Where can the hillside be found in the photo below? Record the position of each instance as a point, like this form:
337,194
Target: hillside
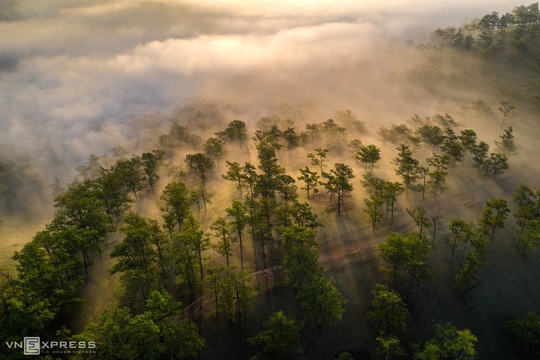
392,210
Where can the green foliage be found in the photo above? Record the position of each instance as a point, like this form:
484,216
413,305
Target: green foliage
235,131
388,313
160,305
431,134
407,166
154,334
529,238
407,254
112,192
182,340
135,250
461,232
301,252
81,219
234,173
524,196
495,164
178,136
279,339
302,214
286,188
394,251
24,309
382,192
140,253
238,212
314,132
494,215
120,335
215,148
373,210
507,145
368,155
200,164
188,248
452,147
151,162
311,179
176,201
334,134
345,356
526,330
233,290
449,343
420,219
292,139
480,155
49,267
271,136
319,158
222,230
249,176
527,218
466,278
489,35
390,193
321,302
132,173
268,182
390,346
338,181
437,176
81,208
467,139
397,134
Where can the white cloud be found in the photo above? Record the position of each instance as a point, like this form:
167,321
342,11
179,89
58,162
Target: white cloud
83,70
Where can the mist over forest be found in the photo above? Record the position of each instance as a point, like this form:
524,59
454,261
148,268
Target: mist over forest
81,79
299,118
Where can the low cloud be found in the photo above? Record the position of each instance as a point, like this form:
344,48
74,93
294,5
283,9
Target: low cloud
74,76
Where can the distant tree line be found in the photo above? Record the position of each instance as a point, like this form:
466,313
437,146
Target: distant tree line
491,33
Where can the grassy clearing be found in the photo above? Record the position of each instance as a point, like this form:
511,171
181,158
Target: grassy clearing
14,233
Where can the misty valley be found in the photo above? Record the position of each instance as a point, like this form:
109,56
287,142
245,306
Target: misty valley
385,206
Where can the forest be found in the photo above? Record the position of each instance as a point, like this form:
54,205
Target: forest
337,237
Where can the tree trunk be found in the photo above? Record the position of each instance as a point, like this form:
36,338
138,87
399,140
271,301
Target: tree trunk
241,250
216,299
199,250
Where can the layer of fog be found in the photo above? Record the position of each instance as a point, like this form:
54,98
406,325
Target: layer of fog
77,80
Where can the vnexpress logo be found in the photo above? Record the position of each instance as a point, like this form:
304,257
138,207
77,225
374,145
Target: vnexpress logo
32,346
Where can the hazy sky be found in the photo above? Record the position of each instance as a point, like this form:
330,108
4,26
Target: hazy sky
73,72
